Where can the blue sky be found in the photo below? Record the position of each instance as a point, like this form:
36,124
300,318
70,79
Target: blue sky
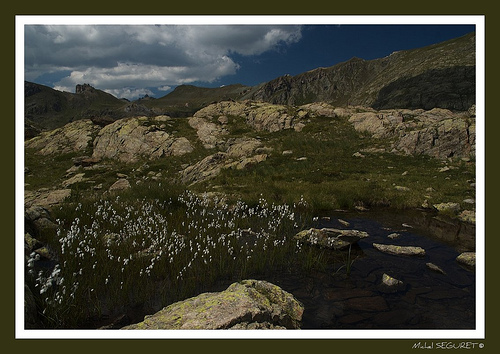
131,61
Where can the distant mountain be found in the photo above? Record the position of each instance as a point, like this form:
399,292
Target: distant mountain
441,75
184,100
46,108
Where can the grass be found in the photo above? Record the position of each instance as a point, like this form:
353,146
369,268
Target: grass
322,168
125,252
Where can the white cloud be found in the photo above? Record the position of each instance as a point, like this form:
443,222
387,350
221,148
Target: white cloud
112,57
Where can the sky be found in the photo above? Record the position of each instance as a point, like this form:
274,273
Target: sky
131,61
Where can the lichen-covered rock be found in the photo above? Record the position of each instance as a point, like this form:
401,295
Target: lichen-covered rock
239,154
130,139
258,115
447,207
438,132
330,238
249,304
208,132
73,137
400,250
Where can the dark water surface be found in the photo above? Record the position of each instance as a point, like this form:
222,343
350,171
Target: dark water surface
429,299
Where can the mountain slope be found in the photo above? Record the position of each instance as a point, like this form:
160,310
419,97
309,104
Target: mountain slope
184,100
445,69
440,75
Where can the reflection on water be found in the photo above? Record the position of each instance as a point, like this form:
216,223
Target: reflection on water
428,300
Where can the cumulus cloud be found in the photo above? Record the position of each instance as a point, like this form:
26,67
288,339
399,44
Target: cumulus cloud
126,60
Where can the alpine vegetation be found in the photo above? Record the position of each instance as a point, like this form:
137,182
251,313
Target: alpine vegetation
115,253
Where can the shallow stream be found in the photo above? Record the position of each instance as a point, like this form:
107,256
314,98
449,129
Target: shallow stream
428,300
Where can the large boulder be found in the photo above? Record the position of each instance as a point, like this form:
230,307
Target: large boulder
249,304
73,137
130,139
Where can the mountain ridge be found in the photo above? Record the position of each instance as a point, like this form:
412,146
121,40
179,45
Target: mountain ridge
441,75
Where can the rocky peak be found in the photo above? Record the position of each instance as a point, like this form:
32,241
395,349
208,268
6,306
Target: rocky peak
83,88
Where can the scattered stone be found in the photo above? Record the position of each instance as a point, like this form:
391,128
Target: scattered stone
401,188
44,253
302,158
249,304
120,185
287,152
407,225
467,258
469,201
360,208
400,250
394,235
444,169
447,207
468,216
75,179
435,268
390,285
343,222
358,154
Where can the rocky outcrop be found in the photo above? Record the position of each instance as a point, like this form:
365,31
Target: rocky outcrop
130,139
73,137
439,132
249,304
46,197
258,115
239,153
208,132
330,238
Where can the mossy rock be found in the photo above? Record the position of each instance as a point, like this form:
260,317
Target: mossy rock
244,304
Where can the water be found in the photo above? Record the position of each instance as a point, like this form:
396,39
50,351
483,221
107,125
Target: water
429,299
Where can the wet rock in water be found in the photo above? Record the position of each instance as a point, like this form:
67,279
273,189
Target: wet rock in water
249,304
467,258
330,238
435,268
390,285
400,250
394,235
